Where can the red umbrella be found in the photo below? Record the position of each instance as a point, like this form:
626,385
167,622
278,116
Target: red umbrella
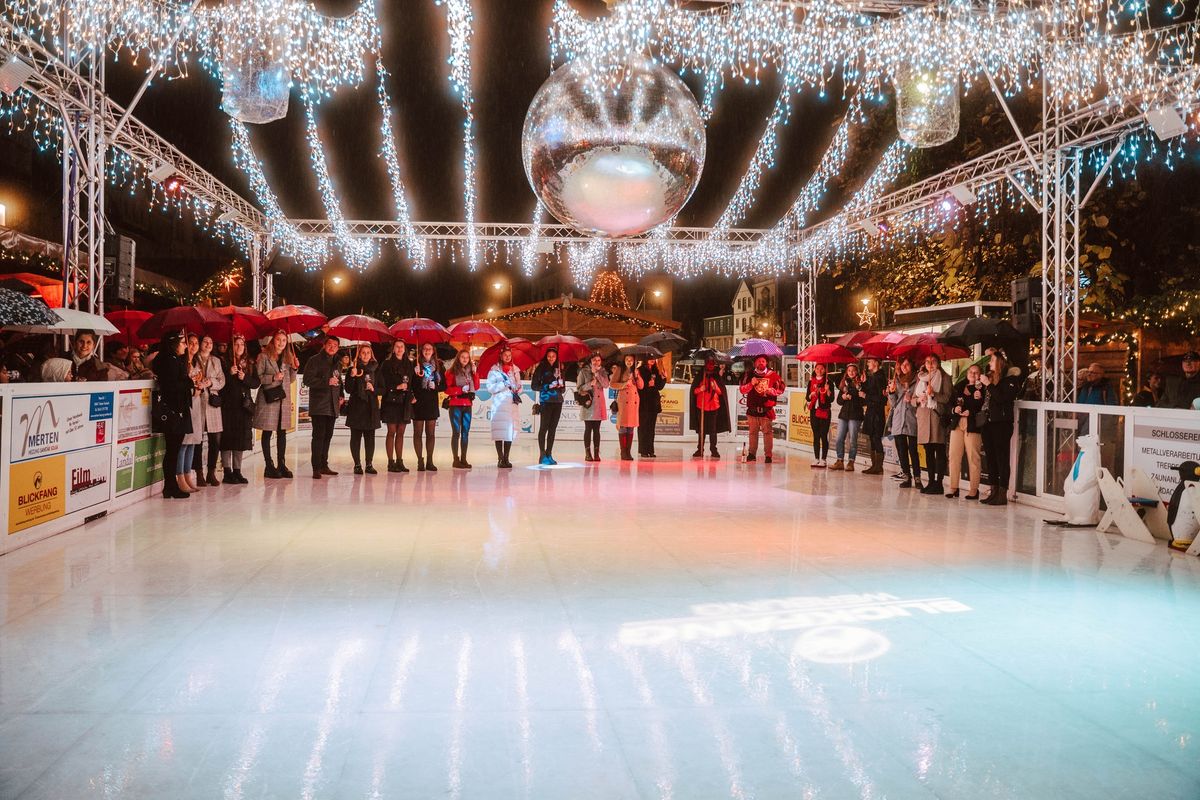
827,353
919,346
525,354
295,318
360,327
880,345
245,321
855,339
419,331
194,319
475,332
570,348
128,323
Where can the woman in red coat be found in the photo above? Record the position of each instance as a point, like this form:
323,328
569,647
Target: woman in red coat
820,404
461,383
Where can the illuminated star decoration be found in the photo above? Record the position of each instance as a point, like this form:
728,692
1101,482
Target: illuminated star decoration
866,318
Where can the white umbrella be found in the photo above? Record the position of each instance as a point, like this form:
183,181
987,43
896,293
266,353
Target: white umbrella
70,320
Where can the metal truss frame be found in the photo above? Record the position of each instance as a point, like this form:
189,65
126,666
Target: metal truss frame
515,233
806,308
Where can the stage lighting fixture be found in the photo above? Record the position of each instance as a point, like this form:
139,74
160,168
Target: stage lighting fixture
1166,122
963,194
162,172
871,228
14,74
227,216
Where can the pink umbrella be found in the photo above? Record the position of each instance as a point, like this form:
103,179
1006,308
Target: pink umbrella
419,331
360,327
920,346
128,323
827,353
855,338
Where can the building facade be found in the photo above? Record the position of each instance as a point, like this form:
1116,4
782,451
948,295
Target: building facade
718,332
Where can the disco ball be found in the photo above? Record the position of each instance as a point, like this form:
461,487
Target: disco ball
255,87
613,151
926,107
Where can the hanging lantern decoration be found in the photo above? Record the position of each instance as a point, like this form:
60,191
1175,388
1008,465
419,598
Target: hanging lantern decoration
613,150
256,81
926,106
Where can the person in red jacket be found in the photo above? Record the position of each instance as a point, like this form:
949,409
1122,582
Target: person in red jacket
761,387
461,383
820,403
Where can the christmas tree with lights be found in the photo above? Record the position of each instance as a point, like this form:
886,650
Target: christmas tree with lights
608,289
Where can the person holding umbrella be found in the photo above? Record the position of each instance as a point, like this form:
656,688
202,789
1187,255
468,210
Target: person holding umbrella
762,387
504,383
819,399
709,408
362,407
549,385
323,377
649,405
430,382
1002,384
874,423
395,380
208,404
852,399
930,397
276,369
174,416
903,423
590,393
626,380
461,383
237,410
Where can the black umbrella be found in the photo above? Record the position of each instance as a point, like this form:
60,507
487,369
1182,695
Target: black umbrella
705,353
982,330
640,351
665,341
21,309
605,348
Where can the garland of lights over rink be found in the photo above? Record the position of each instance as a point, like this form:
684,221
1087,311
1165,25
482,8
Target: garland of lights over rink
1088,58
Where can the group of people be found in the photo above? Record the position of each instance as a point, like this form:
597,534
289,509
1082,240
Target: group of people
921,408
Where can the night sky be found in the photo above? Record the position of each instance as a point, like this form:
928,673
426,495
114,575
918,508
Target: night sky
511,60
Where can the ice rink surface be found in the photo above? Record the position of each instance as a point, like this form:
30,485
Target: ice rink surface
667,629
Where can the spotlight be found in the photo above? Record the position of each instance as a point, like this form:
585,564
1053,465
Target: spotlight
227,216
162,172
172,184
1166,122
871,228
963,194
946,204
14,74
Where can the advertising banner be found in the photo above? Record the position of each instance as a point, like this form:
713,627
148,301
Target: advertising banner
672,419
36,492
137,464
1160,444
133,414
50,424
799,429
87,474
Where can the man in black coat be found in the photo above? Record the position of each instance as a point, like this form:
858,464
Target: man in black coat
1184,392
324,382
649,405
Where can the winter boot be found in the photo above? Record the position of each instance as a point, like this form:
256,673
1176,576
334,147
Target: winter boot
499,454
507,450
876,467
211,478
838,466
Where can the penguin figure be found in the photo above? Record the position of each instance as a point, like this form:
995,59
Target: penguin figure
1081,489
1183,513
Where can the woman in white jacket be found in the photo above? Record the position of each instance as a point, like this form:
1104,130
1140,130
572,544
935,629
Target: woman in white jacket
504,383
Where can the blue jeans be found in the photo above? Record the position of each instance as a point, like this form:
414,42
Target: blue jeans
848,427
184,462
460,429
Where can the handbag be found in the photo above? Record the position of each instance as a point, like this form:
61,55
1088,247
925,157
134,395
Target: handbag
446,402
247,403
164,419
273,394
214,399
613,406
583,399
537,409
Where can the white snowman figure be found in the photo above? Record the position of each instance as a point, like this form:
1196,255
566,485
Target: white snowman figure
1081,489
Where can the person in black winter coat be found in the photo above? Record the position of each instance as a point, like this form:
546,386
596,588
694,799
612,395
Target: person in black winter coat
852,399
649,405
394,380
874,417
1003,385
430,382
966,431
362,408
237,410
549,383
323,378
175,396
1184,392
